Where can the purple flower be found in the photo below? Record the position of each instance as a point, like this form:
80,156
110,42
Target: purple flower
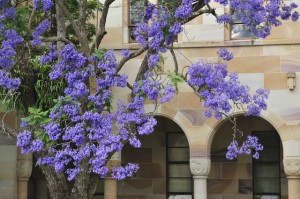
53,131
251,143
232,150
125,52
167,94
153,60
295,16
23,141
121,173
224,54
184,10
24,123
37,145
50,55
46,4
41,28
148,127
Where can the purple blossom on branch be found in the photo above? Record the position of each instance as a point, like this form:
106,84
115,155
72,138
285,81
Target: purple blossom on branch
249,145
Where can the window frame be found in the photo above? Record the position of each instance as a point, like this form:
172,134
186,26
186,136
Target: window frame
237,22
256,162
174,162
131,26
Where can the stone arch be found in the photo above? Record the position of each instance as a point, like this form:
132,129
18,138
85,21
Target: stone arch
243,175
153,177
172,114
268,116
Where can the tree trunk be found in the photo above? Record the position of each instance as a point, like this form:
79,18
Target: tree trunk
57,184
83,187
61,28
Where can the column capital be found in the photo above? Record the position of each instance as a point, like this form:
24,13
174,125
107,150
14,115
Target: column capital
200,166
292,166
24,168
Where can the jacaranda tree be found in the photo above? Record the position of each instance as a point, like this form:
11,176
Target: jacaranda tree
55,73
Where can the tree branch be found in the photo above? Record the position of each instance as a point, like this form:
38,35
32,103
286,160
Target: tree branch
102,32
30,20
174,58
74,25
61,28
199,12
7,130
55,39
131,56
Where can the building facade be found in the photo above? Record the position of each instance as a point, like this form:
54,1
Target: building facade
185,157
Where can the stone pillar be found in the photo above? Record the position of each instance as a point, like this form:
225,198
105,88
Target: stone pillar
24,168
292,171
200,168
110,184
110,188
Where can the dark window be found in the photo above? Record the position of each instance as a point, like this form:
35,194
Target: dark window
238,29
179,177
266,169
136,10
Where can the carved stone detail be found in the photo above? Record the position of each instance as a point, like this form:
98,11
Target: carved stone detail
24,168
200,166
292,166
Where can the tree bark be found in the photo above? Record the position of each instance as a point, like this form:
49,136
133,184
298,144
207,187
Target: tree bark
83,187
61,28
57,183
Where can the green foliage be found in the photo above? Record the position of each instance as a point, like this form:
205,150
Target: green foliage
23,16
37,90
46,89
99,53
175,79
73,7
37,117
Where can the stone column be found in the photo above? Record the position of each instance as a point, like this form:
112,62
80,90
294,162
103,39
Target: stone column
110,188
200,168
24,168
292,171
110,184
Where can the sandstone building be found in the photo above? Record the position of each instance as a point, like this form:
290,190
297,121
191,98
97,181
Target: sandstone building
185,157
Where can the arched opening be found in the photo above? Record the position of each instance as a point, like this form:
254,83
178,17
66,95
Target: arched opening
164,165
245,177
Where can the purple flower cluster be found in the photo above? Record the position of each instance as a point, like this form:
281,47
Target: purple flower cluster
73,67
125,52
222,92
40,29
258,15
248,147
45,4
162,29
50,55
185,10
85,129
121,173
88,135
26,144
10,39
